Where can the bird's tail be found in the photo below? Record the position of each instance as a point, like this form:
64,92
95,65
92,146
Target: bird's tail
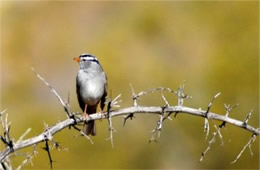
90,128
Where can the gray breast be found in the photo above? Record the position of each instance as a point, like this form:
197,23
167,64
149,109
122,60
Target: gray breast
91,86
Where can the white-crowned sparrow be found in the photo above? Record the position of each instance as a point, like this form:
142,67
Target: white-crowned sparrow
91,88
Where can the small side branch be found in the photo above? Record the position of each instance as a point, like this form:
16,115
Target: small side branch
47,149
211,142
129,116
153,90
29,158
218,129
134,98
247,118
23,135
112,103
157,130
248,145
83,134
228,110
137,97
65,105
210,104
166,106
206,122
6,126
181,95
206,127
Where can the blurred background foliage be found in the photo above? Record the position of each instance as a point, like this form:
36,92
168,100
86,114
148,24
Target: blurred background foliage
213,46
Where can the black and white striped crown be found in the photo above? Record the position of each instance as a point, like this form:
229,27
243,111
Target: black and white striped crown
88,57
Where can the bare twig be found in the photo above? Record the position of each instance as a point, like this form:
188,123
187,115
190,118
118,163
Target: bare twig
125,111
134,97
111,130
210,104
252,139
206,128
158,128
228,111
212,141
6,164
73,119
47,149
23,135
28,158
110,122
181,95
112,103
2,112
165,100
218,130
166,105
65,106
168,116
7,127
115,102
83,134
153,90
248,117
129,116
206,122
5,138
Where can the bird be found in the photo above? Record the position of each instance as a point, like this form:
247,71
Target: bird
91,88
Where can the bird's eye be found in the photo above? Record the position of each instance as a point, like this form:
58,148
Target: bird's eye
84,60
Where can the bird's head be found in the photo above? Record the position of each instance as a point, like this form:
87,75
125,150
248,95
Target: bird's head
86,60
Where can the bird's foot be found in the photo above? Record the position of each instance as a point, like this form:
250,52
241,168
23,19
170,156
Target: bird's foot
101,110
86,116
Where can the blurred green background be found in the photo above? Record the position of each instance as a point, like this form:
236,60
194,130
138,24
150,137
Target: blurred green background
213,46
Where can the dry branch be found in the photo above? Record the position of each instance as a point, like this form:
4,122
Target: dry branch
248,145
164,112
137,110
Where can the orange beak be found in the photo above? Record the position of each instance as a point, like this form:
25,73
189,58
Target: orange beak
76,59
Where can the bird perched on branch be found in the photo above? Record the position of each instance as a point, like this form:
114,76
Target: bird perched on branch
91,87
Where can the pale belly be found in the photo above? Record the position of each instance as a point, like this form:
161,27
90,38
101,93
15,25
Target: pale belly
92,91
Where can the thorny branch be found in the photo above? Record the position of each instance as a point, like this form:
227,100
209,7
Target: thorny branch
83,134
65,105
206,123
158,128
164,113
248,117
212,141
228,110
47,149
110,104
218,129
28,158
181,95
248,145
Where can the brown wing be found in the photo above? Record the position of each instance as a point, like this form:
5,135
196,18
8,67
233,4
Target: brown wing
103,99
81,102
